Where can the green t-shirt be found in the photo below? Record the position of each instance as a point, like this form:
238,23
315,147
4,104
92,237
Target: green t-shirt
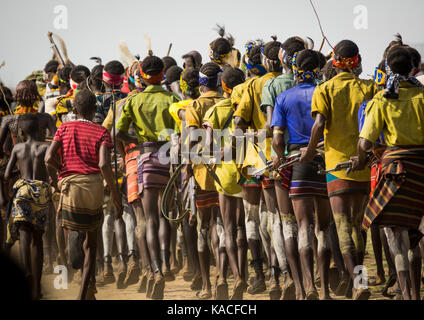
149,113
274,87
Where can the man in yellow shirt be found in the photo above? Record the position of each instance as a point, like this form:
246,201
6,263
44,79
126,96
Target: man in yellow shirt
335,106
396,203
206,195
249,116
220,117
189,87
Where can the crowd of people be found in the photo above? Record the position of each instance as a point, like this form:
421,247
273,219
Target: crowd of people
122,163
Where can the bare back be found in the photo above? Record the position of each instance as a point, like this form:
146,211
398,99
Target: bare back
30,157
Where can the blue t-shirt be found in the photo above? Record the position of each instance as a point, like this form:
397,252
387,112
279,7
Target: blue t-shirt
292,111
361,121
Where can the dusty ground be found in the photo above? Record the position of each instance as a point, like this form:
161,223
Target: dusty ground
180,290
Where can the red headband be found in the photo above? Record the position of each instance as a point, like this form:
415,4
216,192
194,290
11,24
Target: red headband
113,79
151,79
346,63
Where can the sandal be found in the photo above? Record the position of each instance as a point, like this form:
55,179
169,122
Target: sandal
204,294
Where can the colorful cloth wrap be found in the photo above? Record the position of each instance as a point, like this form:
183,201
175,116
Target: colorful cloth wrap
302,74
156,79
258,182
392,86
81,201
398,197
113,79
258,69
305,181
336,186
218,58
206,199
29,205
131,154
205,80
22,110
267,62
151,172
186,89
345,63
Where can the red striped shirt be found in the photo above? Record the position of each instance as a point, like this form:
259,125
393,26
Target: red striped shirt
80,145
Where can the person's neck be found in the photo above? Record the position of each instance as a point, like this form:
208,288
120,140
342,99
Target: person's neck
338,71
80,117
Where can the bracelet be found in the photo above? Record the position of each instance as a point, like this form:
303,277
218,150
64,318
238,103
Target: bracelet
277,131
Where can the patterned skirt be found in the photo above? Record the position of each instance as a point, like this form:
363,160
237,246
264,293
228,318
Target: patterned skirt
305,181
336,186
132,152
29,205
151,173
81,201
398,199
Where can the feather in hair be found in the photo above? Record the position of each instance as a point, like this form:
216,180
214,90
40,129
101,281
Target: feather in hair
98,60
149,44
220,30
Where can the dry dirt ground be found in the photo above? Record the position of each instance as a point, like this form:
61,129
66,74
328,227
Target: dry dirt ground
179,289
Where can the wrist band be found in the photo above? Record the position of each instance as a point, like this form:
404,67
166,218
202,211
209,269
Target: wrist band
277,131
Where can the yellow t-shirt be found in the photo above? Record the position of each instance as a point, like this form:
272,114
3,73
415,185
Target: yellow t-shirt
176,107
195,113
217,117
401,120
338,100
249,110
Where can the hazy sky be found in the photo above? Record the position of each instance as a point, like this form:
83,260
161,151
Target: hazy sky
95,27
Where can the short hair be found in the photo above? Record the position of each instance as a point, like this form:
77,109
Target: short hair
152,65
114,67
399,60
328,71
85,102
345,49
168,62
232,77
51,66
415,56
79,73
97,72
191,76
64,74
307,60
27,93
322,59
293,45
173,74
272,48
254,55
211,70
28,123
398,41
